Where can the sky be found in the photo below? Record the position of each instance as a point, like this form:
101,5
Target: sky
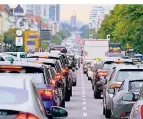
82,11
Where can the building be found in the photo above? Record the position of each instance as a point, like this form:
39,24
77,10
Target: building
54,12
5,22
38,10
73,20
97,15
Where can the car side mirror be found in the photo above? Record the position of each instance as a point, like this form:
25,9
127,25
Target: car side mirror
111,91
130,97
58,112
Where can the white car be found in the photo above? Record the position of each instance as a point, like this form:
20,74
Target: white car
20,100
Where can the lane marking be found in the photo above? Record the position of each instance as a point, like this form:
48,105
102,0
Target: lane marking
84,103
83,93
83,96
85,114
84,108
83,99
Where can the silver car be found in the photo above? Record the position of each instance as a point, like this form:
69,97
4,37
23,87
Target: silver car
125,97
119,73
19,99
137,109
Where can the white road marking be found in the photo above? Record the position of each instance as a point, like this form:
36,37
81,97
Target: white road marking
85,114
84,103
83,99
83,96
84,108
83,93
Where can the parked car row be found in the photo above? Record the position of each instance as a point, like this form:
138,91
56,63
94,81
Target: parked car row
120,82
36,86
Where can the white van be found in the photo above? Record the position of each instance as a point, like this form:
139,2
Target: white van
19,55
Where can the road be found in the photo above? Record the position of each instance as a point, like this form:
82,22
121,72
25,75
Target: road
82,104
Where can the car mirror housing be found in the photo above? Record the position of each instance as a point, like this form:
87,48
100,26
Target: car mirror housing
58,112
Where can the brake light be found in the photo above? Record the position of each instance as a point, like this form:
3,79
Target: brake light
26,116
123,115
102,74
52,82
10,67
64,70
43,56
142,112
58,76
115,85
47,93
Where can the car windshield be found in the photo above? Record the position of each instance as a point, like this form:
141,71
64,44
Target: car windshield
135,85
10,95
122,75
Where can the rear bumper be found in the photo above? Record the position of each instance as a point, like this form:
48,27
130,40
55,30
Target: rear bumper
49,104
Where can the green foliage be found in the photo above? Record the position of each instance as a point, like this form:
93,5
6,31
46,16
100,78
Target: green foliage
57,38
44,45
125,25
1,38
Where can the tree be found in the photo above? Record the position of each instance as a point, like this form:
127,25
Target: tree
44,45
124,24
1,38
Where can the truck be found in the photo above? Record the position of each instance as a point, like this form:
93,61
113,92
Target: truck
115,50
95,48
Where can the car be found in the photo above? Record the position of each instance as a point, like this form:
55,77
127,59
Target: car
137,109
136,60
119,73
59,47
19,99
125,97
41,76
64,65
7,57
85,66
57,75
19,55
98,83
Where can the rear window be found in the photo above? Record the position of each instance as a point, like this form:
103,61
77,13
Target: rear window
122,75
116,55
135,85
23,55
17,69
13,95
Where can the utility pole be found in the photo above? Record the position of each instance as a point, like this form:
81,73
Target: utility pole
40,40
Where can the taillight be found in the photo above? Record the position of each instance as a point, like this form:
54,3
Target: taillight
64,70
102,74
58,76
26,116
123,115
47,93
115,85
52,82
142,112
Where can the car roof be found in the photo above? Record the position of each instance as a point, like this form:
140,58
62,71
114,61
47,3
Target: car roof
124,66
43,60
15,63
14,82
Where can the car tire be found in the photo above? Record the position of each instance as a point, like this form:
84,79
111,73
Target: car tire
67,97
74,83
71,91
63,103
92,87
107,113
89,78
84,72
103,110
97,95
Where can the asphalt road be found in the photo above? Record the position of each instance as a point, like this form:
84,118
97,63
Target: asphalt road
82,104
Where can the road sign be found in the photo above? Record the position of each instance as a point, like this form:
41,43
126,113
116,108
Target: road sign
19,41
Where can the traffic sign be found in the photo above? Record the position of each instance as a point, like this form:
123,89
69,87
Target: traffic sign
19,41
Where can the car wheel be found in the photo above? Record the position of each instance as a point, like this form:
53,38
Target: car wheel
63,104
107,113
97,94
103,110
92,87
84,72
71,91
74,83
89,78
68,95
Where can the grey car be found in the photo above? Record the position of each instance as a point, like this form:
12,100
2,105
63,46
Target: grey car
137,109
119,73
125,97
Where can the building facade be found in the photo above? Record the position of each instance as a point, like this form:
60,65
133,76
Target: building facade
54,12
73,20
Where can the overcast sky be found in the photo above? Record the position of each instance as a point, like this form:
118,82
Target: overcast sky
82,11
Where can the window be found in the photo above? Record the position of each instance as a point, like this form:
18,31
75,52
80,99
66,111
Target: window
122,86
1,59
